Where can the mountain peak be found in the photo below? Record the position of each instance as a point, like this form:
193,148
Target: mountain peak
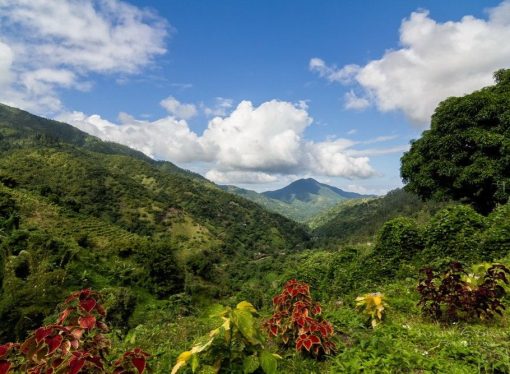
309,189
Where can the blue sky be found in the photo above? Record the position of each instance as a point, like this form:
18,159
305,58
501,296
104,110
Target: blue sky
253,93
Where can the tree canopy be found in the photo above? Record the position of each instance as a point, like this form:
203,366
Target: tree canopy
465,155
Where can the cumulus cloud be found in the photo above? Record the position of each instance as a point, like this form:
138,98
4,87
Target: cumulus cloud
6,58
436,60
167,138
178,109
236,176
220,108
266,138
46,45
249,145
332,73
353,101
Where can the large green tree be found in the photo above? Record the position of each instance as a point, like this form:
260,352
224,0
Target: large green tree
465,155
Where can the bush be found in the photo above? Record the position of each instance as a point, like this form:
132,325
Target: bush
448,295
496,239
297,321
74,343
234,347
400,239
121,303
454,232
372,305
164,275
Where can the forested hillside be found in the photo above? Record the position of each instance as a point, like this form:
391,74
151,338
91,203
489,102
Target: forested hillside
359,220
92,214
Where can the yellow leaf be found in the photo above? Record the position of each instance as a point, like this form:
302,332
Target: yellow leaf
184,356
245,305
200,348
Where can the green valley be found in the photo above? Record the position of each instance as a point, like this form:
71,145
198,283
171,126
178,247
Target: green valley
193,277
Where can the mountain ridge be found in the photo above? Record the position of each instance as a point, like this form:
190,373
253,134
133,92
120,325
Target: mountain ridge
301,200
301,189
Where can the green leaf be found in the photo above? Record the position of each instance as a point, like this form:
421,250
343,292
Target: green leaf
207,369
246,324
268,362
250,364
194,363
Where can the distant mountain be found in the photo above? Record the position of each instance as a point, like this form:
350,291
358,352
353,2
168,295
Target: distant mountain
301,200
308,190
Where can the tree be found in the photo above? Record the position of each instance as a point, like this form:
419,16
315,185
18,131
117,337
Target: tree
465,155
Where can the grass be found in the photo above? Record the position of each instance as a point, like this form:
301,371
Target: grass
405,342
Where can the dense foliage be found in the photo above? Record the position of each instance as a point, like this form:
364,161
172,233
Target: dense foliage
74,343
236,346
447,295
359,220
465,155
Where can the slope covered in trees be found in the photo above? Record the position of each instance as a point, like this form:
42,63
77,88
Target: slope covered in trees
79,211
359,220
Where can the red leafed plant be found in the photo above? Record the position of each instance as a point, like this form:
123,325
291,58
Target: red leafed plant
135,359
76,343
448,295
297,321
9,357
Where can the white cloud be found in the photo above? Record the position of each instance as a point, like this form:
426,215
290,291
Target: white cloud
181,86
249,145
48,45
367,190
166,138
332,73
6,58
436,60
235,176
369,152
266,138
220,108
352,101
178,109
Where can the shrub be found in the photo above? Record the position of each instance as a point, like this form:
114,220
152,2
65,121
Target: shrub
373,306
297,321
447,295
75,343
496,239
236,346
399,238
164,275
454,232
